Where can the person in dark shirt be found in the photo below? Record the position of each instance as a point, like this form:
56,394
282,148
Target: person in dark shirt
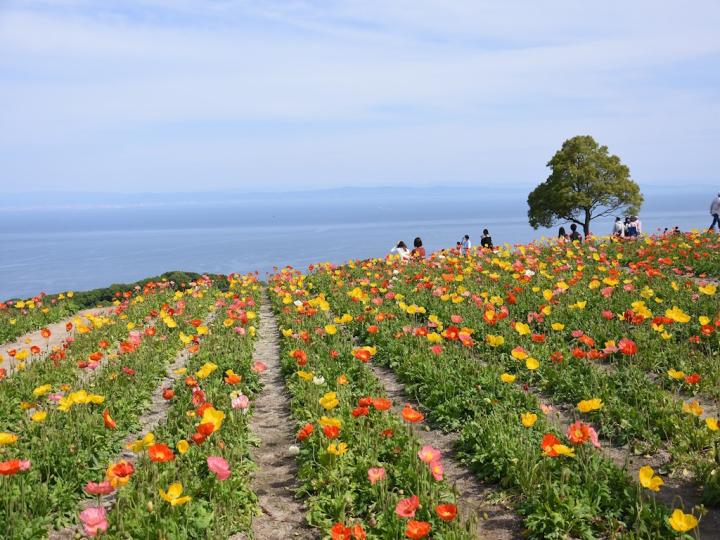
418,249
574,234
486,240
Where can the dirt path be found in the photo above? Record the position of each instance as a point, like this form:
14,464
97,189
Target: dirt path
58,336
491,520
154,414
283,516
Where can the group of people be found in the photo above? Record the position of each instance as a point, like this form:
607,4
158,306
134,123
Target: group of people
631,227
463,246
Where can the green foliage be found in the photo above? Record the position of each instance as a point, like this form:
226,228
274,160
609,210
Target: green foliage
585,183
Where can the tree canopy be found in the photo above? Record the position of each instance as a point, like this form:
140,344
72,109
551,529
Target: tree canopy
586,183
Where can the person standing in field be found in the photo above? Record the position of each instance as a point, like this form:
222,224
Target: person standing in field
562,235
465,244
418,249
401,250
486,240
715,213
575,236
618,228
633,229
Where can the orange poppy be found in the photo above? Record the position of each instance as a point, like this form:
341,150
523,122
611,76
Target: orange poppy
417,529
161,453
446,512
411,415
381,404
44,332
109,422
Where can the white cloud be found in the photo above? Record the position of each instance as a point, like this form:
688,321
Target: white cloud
425,84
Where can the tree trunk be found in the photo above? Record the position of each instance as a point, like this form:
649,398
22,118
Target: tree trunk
586,225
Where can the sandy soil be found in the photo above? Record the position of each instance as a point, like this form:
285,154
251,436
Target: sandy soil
283,515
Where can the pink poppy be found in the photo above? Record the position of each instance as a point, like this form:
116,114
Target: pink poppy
94,520
428,454
457,319
406,508
240,402
259,367
436,350
25,464
437,470
240,330
219,466
99,488
376,474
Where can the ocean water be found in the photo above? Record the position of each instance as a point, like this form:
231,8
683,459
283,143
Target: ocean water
75,244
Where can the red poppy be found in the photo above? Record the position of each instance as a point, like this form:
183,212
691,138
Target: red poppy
340,532
538,338
198,438
8,468
556,357
168,393
360,411
446,512
627,346
150,331
206,429
365,401
372,329
96,356
305,431
160,453
45,332
608,315
68,326
103,344
417,529
109,422
693,378
548,441
128,371
34,349
331,432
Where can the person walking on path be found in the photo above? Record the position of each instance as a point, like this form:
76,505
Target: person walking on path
418,250
715,213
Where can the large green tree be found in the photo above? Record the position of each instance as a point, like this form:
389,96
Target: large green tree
585,183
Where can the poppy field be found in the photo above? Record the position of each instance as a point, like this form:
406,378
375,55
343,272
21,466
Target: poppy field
578,386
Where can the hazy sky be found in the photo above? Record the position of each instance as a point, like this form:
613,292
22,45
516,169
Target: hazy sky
182,95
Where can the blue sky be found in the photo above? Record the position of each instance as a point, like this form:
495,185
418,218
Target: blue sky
186,95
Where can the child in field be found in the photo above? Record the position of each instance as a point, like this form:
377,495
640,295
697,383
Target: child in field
465,244
562,235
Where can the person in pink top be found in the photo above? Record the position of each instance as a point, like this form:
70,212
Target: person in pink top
418,249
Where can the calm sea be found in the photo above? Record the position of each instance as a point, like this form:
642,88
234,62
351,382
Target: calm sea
58,246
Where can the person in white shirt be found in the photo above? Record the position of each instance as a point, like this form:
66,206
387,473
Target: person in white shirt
401,250
715,213
465,244
618,228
